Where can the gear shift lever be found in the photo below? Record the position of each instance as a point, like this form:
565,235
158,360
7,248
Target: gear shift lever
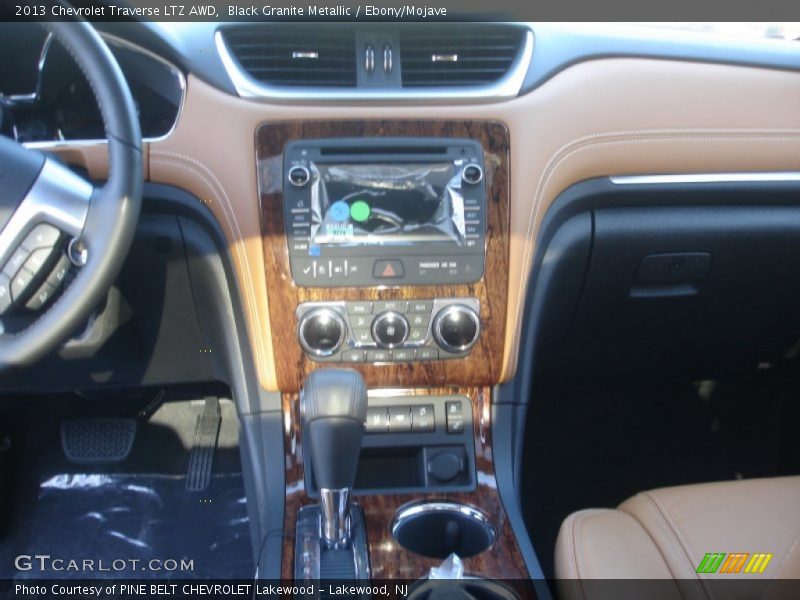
334,408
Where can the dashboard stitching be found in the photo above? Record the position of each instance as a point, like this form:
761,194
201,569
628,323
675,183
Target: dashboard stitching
213,183
633,136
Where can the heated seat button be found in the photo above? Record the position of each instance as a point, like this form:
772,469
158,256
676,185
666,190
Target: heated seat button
399,419
422,418
388,269
377,419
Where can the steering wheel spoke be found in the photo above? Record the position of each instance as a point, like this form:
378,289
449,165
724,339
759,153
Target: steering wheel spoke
32,262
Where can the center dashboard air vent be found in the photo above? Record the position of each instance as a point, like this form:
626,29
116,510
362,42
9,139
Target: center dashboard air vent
450,55
292,55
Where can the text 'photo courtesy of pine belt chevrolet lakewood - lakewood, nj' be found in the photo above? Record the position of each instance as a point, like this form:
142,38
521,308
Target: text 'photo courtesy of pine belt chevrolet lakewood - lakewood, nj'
384,301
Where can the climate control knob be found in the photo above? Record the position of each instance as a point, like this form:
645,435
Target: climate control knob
456,328
390,329
321,331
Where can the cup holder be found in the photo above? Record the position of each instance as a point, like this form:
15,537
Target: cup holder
438,529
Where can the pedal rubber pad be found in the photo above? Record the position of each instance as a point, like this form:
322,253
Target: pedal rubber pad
97,441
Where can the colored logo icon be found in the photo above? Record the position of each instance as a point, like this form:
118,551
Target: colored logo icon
339,211
360,211
735,562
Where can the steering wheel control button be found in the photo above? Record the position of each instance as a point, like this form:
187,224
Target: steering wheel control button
42,236
299,176
16,261
41,297
472,174
321,332
456,328
388,269
5,293
38,259
390,329
60,271
22,280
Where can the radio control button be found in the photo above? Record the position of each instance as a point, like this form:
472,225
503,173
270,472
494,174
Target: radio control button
472,174
388,269
299,176
400,306
359,308
390,329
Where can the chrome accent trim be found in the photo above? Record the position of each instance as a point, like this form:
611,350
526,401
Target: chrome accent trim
18,99
444,58
122,43
437,327
299,54
409,511
475,166
369,59
504,89
785,176
394,315
299,168
335,525
331,314
388,61
58,197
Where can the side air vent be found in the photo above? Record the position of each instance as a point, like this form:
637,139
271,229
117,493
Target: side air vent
288,55
437,56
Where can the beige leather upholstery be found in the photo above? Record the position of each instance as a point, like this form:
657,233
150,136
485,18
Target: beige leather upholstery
665,533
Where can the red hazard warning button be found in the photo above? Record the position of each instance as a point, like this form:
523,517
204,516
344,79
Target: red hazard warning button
388,269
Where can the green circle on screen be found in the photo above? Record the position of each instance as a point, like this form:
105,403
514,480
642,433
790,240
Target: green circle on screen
359,211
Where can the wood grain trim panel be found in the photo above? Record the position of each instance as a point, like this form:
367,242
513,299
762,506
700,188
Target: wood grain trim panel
388,559
616,116
485,363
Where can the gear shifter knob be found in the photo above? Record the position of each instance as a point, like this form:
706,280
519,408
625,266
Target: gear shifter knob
334,408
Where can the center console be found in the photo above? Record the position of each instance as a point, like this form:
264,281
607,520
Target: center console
386,253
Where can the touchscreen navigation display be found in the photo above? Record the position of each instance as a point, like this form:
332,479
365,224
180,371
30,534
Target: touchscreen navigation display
386,204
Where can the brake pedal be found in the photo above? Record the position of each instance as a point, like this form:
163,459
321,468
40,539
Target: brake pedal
97,441
201,458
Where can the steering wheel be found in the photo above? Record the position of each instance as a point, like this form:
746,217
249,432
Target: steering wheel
52,219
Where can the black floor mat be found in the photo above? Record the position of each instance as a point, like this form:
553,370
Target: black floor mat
134,526
594,444
136,510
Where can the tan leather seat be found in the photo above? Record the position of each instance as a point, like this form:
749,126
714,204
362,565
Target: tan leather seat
666,533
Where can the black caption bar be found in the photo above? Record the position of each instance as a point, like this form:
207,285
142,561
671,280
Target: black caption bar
402,10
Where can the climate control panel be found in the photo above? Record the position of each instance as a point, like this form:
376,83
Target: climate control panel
389,331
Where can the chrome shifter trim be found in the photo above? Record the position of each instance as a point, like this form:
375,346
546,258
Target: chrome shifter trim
335,526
